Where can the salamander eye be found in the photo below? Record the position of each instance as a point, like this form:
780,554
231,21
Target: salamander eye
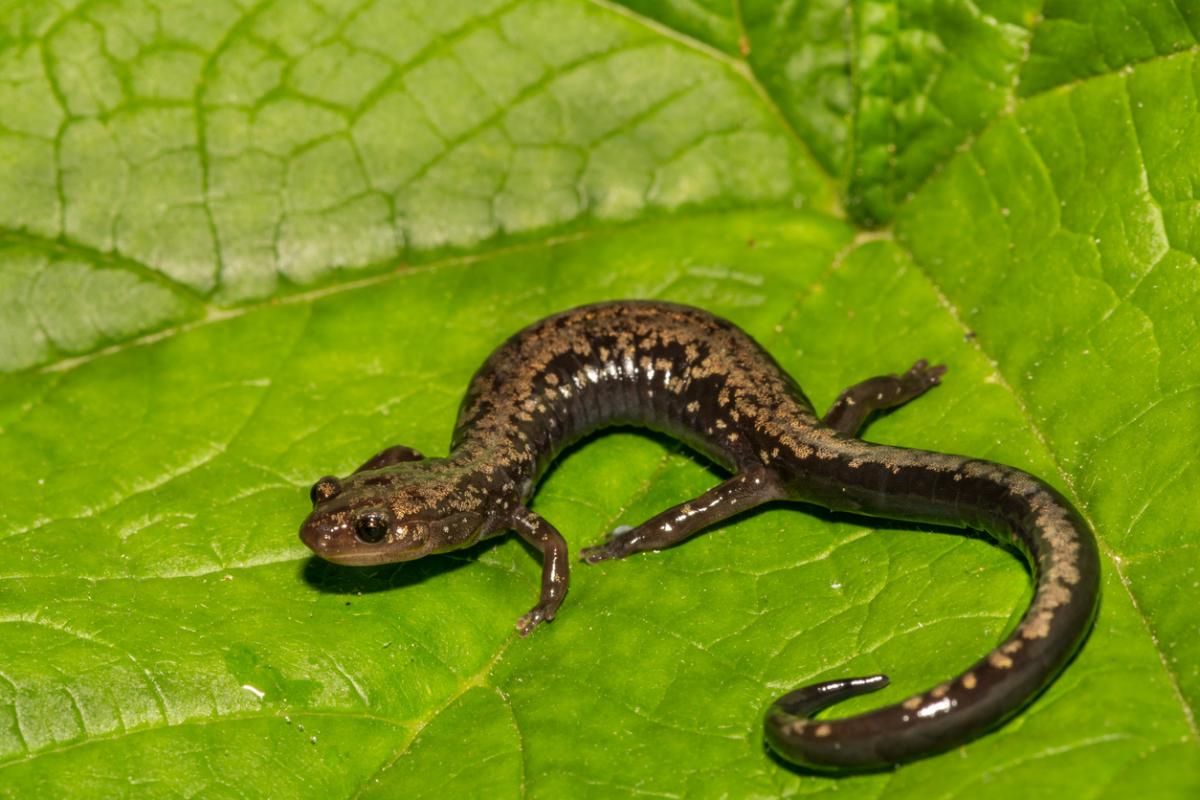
371,527
324,489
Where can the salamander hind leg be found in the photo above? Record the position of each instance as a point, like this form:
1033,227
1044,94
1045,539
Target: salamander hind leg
742,492
853,406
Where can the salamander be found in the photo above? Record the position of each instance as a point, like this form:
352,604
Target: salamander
694,376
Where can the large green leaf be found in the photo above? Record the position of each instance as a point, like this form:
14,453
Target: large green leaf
243,246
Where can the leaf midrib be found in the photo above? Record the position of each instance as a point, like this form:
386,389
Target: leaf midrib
382,274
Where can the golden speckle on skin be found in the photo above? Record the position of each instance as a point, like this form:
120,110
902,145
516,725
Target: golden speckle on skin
999,660
913,703
1012,647
823,731
1067,573
799,449
940,691
1037,627
693,406
969,681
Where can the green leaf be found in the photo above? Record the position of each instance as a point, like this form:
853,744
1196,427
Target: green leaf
244,246
929,75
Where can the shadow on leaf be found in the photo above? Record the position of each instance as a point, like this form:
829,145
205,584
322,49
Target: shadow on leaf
331,578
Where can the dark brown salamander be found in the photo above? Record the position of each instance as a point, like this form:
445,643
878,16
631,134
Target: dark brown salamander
694,376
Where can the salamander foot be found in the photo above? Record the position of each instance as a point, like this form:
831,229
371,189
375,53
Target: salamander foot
534,617
617,546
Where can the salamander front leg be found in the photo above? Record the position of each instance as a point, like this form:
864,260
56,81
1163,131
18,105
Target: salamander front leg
853,406
740,493
555,570
328,486
396,454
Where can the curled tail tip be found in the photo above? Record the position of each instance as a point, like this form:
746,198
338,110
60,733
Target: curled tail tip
808,700
793,734
872,683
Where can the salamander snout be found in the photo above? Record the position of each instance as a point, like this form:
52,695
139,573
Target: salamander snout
359,534
366,530
399,512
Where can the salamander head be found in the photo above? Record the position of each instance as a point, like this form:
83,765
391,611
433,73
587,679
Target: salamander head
399,513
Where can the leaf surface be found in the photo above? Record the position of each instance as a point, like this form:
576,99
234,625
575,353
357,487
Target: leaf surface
242,246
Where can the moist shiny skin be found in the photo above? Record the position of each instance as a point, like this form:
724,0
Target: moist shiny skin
687,373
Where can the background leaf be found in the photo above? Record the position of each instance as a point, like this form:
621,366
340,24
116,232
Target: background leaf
242,246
